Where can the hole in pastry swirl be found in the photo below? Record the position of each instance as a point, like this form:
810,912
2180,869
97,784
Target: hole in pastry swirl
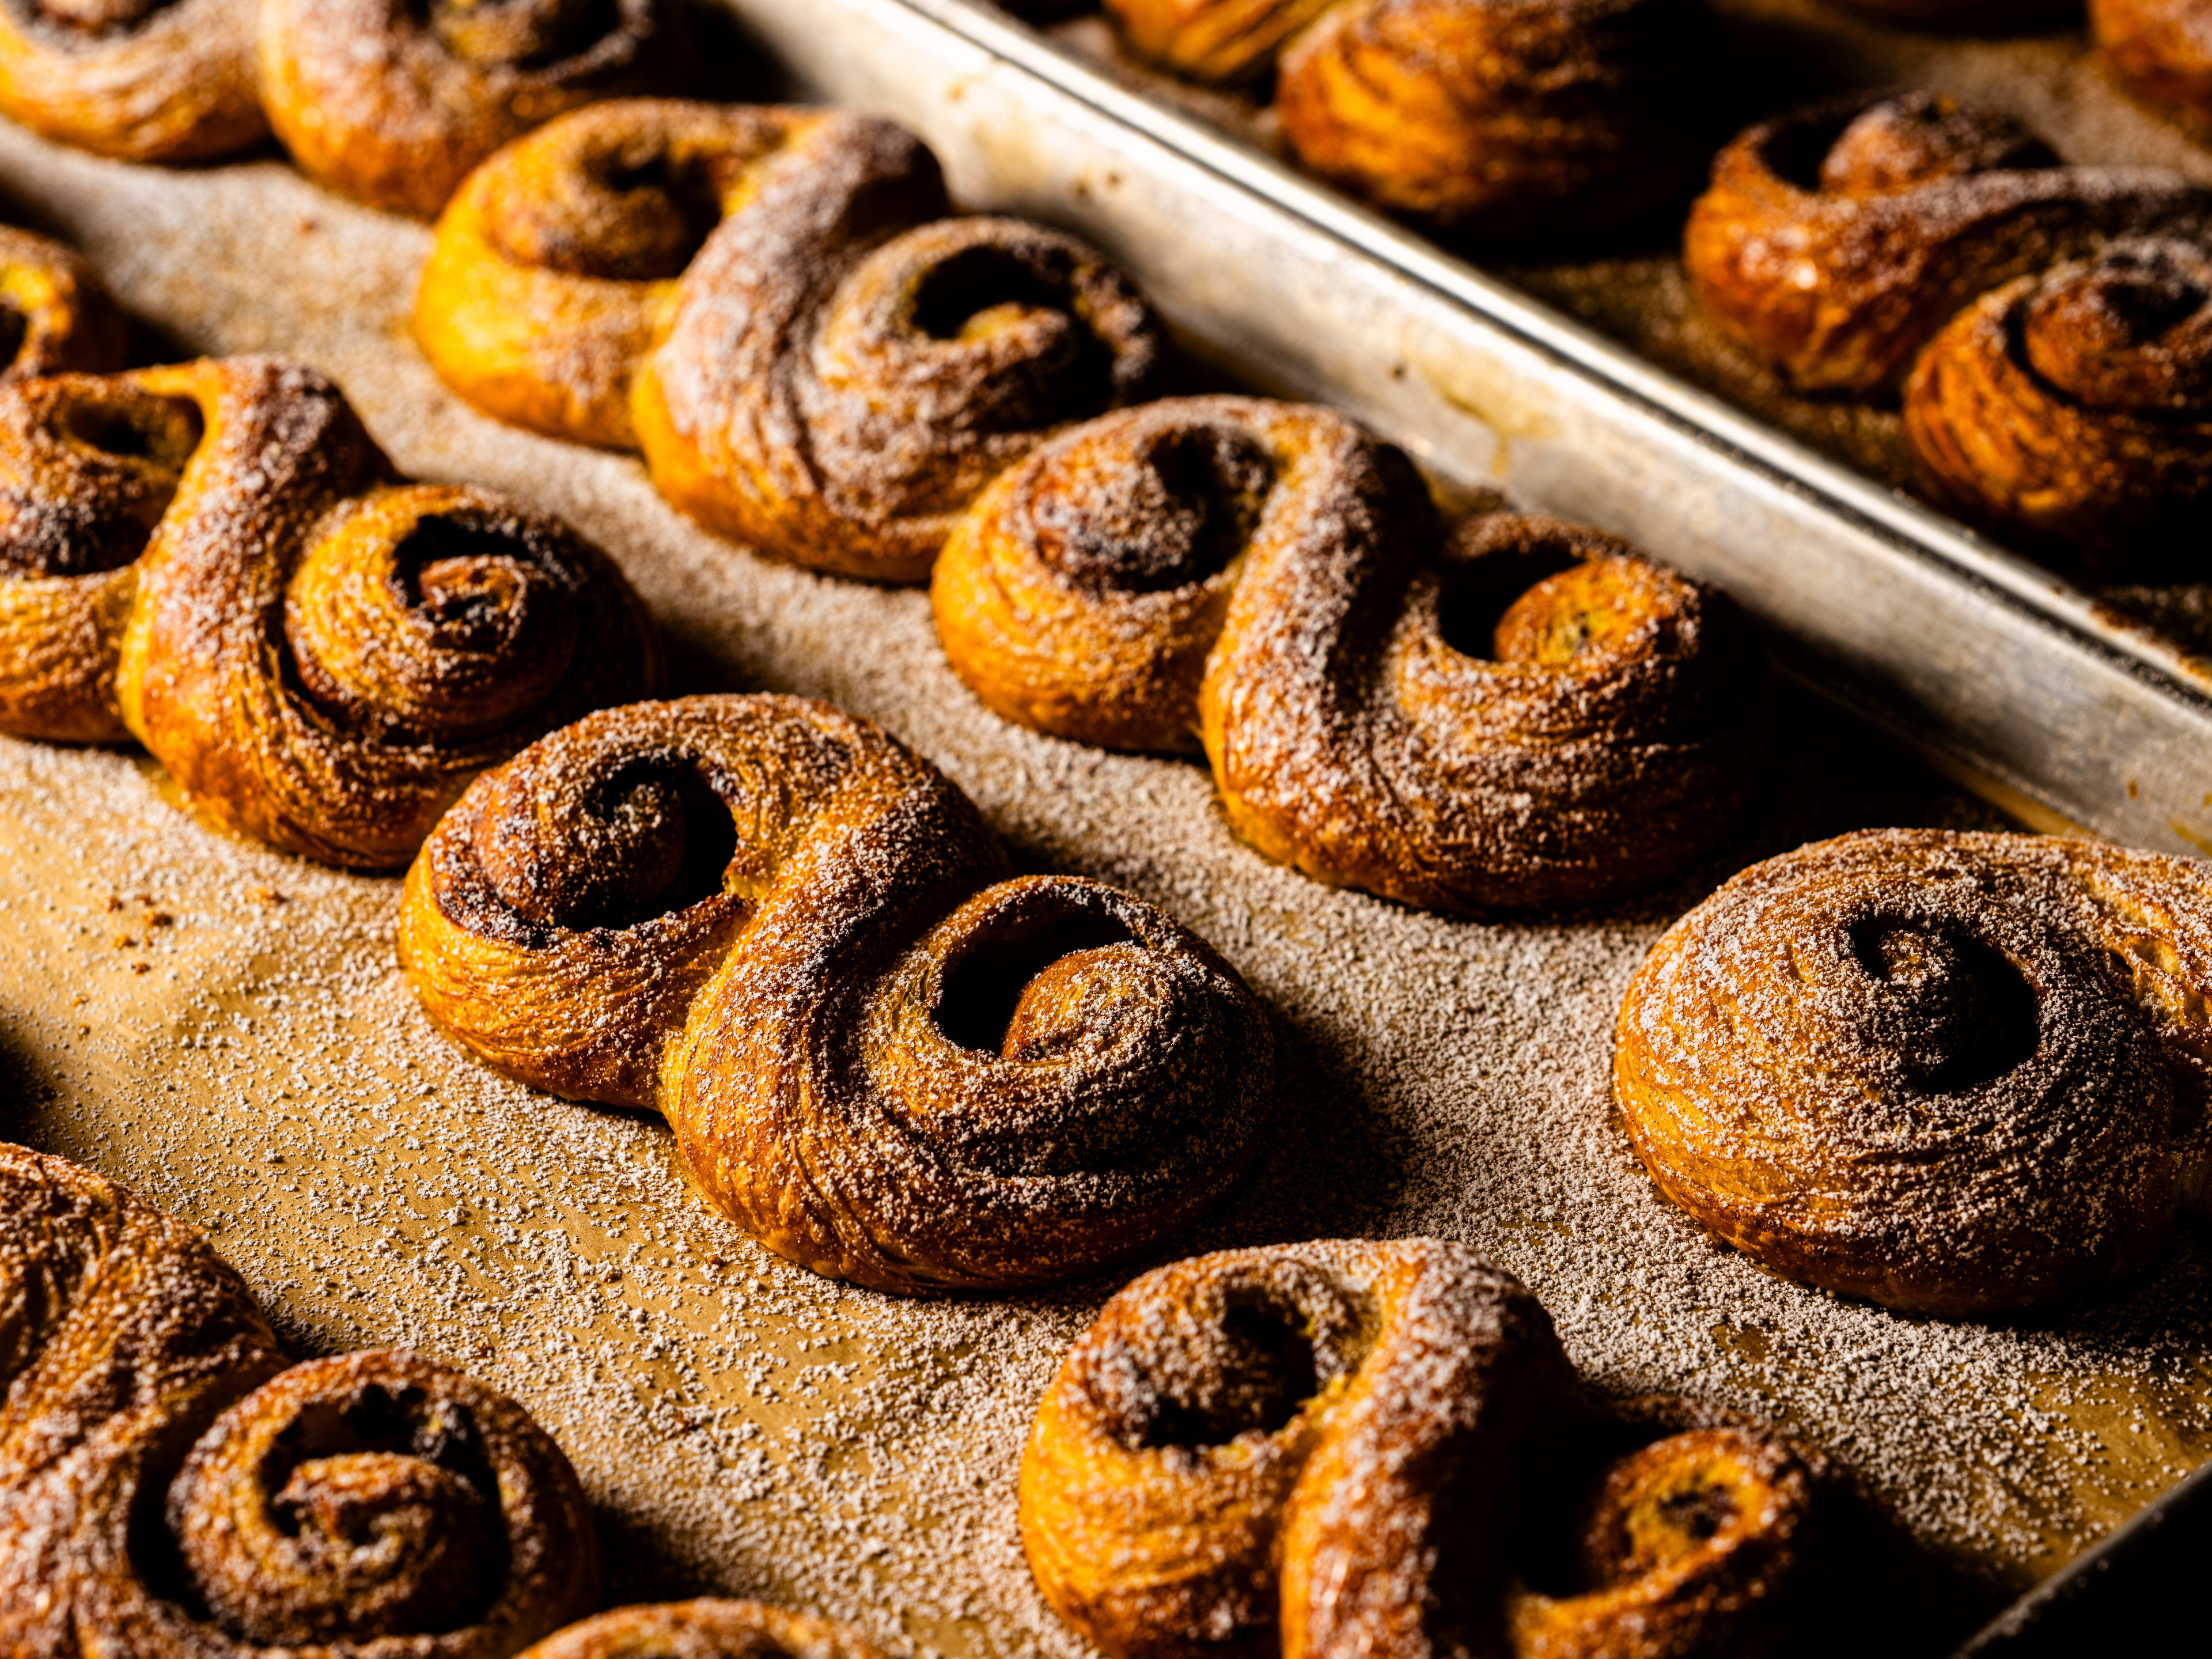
712,906
1364,1448
1835,242
1867,1063
1380,706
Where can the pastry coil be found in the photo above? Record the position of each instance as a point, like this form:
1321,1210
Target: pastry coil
881,1056
393,103
216,559
1352,1448
56,317
1955,1073
140,80
1834,243
1501,119
1269,582
170,1490
2075,408
706,1629
775,308
1214,39
2161,50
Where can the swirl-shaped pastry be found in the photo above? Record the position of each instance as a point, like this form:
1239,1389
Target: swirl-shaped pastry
2162,50
1269,581
1835,242
56,317
1379,1450
1500,118
839,368
378,1505
706,1629
775,925
216,559
393,103
1955,1073
142,80
2076,408
1214,39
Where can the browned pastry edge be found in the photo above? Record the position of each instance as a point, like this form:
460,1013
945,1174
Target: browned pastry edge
709,1628
774,924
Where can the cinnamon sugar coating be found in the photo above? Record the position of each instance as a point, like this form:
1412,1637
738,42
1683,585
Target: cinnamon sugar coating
216,559
2074,409
1351,1448
773,925
1835,242
393,103
709,1628
168,1490
1526,713
141,80
56,317
775,308
2161,50
1955,1073
1500,118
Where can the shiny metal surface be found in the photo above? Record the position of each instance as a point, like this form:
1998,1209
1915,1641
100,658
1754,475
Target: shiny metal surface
2011,680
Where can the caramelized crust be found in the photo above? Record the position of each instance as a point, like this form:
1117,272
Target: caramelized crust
816,360
1268,582
56,317
1957,1074
2075,408
2161,50
1356,1448
394,102
1835,242
134,1364
706,1629
1214,39
215,560
141,80
776,927
1500,118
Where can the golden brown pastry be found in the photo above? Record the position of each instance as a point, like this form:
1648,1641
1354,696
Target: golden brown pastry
706,1629
169,1489
1356,1448
2075,408
55,316
1955,1073
2161,50
393,103
216,559
773,305
775,925
1528,713
1214,39
1501,118
142,80
1835,242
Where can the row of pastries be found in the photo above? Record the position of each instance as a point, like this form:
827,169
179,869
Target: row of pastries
888,1057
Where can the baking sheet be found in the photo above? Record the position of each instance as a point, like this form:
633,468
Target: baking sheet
254,1063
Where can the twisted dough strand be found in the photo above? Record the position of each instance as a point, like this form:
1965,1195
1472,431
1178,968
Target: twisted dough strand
377,1505
1835,242
1268,580
772,924
1955,1073
141,80
56,317
1356,1448
835,368
215,559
